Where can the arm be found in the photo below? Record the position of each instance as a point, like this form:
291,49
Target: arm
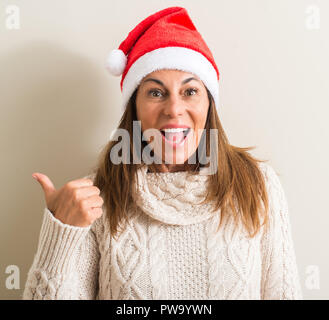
65,265
280,279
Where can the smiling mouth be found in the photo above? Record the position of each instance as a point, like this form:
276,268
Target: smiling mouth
175,136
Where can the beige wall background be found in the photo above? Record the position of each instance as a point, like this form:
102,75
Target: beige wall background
59,106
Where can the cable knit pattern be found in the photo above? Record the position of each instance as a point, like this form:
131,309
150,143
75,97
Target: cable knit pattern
65,265
173,198
186,252
157,265
216,258
280,280
169,250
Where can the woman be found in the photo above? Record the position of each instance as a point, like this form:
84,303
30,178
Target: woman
142,227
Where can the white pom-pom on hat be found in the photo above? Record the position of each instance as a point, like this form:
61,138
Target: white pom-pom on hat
116,62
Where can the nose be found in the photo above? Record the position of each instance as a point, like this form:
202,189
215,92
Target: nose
174,106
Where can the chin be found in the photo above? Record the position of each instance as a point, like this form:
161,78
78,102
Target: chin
175,157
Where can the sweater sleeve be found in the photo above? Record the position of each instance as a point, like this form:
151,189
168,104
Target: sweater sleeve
65,266
280,278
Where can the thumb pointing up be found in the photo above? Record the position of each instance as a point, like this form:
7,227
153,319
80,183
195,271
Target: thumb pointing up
46,184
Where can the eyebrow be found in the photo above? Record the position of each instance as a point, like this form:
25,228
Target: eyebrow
161,83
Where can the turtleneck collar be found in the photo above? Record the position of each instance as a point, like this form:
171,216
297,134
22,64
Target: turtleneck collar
173,197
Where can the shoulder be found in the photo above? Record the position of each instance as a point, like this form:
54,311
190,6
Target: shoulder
276,195
271,178
268,171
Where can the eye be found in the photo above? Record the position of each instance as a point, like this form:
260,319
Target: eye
152,91
192,90
156,93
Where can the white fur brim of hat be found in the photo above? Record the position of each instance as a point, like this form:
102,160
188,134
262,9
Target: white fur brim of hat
178,58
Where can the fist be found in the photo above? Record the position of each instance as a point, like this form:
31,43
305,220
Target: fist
77,203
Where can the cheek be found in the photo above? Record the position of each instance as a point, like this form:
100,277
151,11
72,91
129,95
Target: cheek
199,117
201,121
147,116
141,113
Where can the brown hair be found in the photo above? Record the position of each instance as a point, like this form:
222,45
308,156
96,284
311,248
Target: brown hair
238,184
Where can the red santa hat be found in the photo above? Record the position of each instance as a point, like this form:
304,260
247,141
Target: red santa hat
166,39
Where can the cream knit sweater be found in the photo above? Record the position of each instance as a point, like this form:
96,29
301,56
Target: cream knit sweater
170,250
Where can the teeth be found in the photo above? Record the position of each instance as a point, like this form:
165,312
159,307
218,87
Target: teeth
174,130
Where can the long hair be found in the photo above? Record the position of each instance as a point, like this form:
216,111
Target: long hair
237,187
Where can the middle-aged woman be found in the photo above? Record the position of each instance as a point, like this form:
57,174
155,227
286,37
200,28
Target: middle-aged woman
142,227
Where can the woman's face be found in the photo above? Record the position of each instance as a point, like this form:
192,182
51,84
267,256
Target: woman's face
175,103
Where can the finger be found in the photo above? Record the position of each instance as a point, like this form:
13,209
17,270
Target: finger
93,202
97,211
86,192
79,183
46,184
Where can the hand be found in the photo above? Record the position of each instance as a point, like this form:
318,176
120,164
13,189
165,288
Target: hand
77,203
